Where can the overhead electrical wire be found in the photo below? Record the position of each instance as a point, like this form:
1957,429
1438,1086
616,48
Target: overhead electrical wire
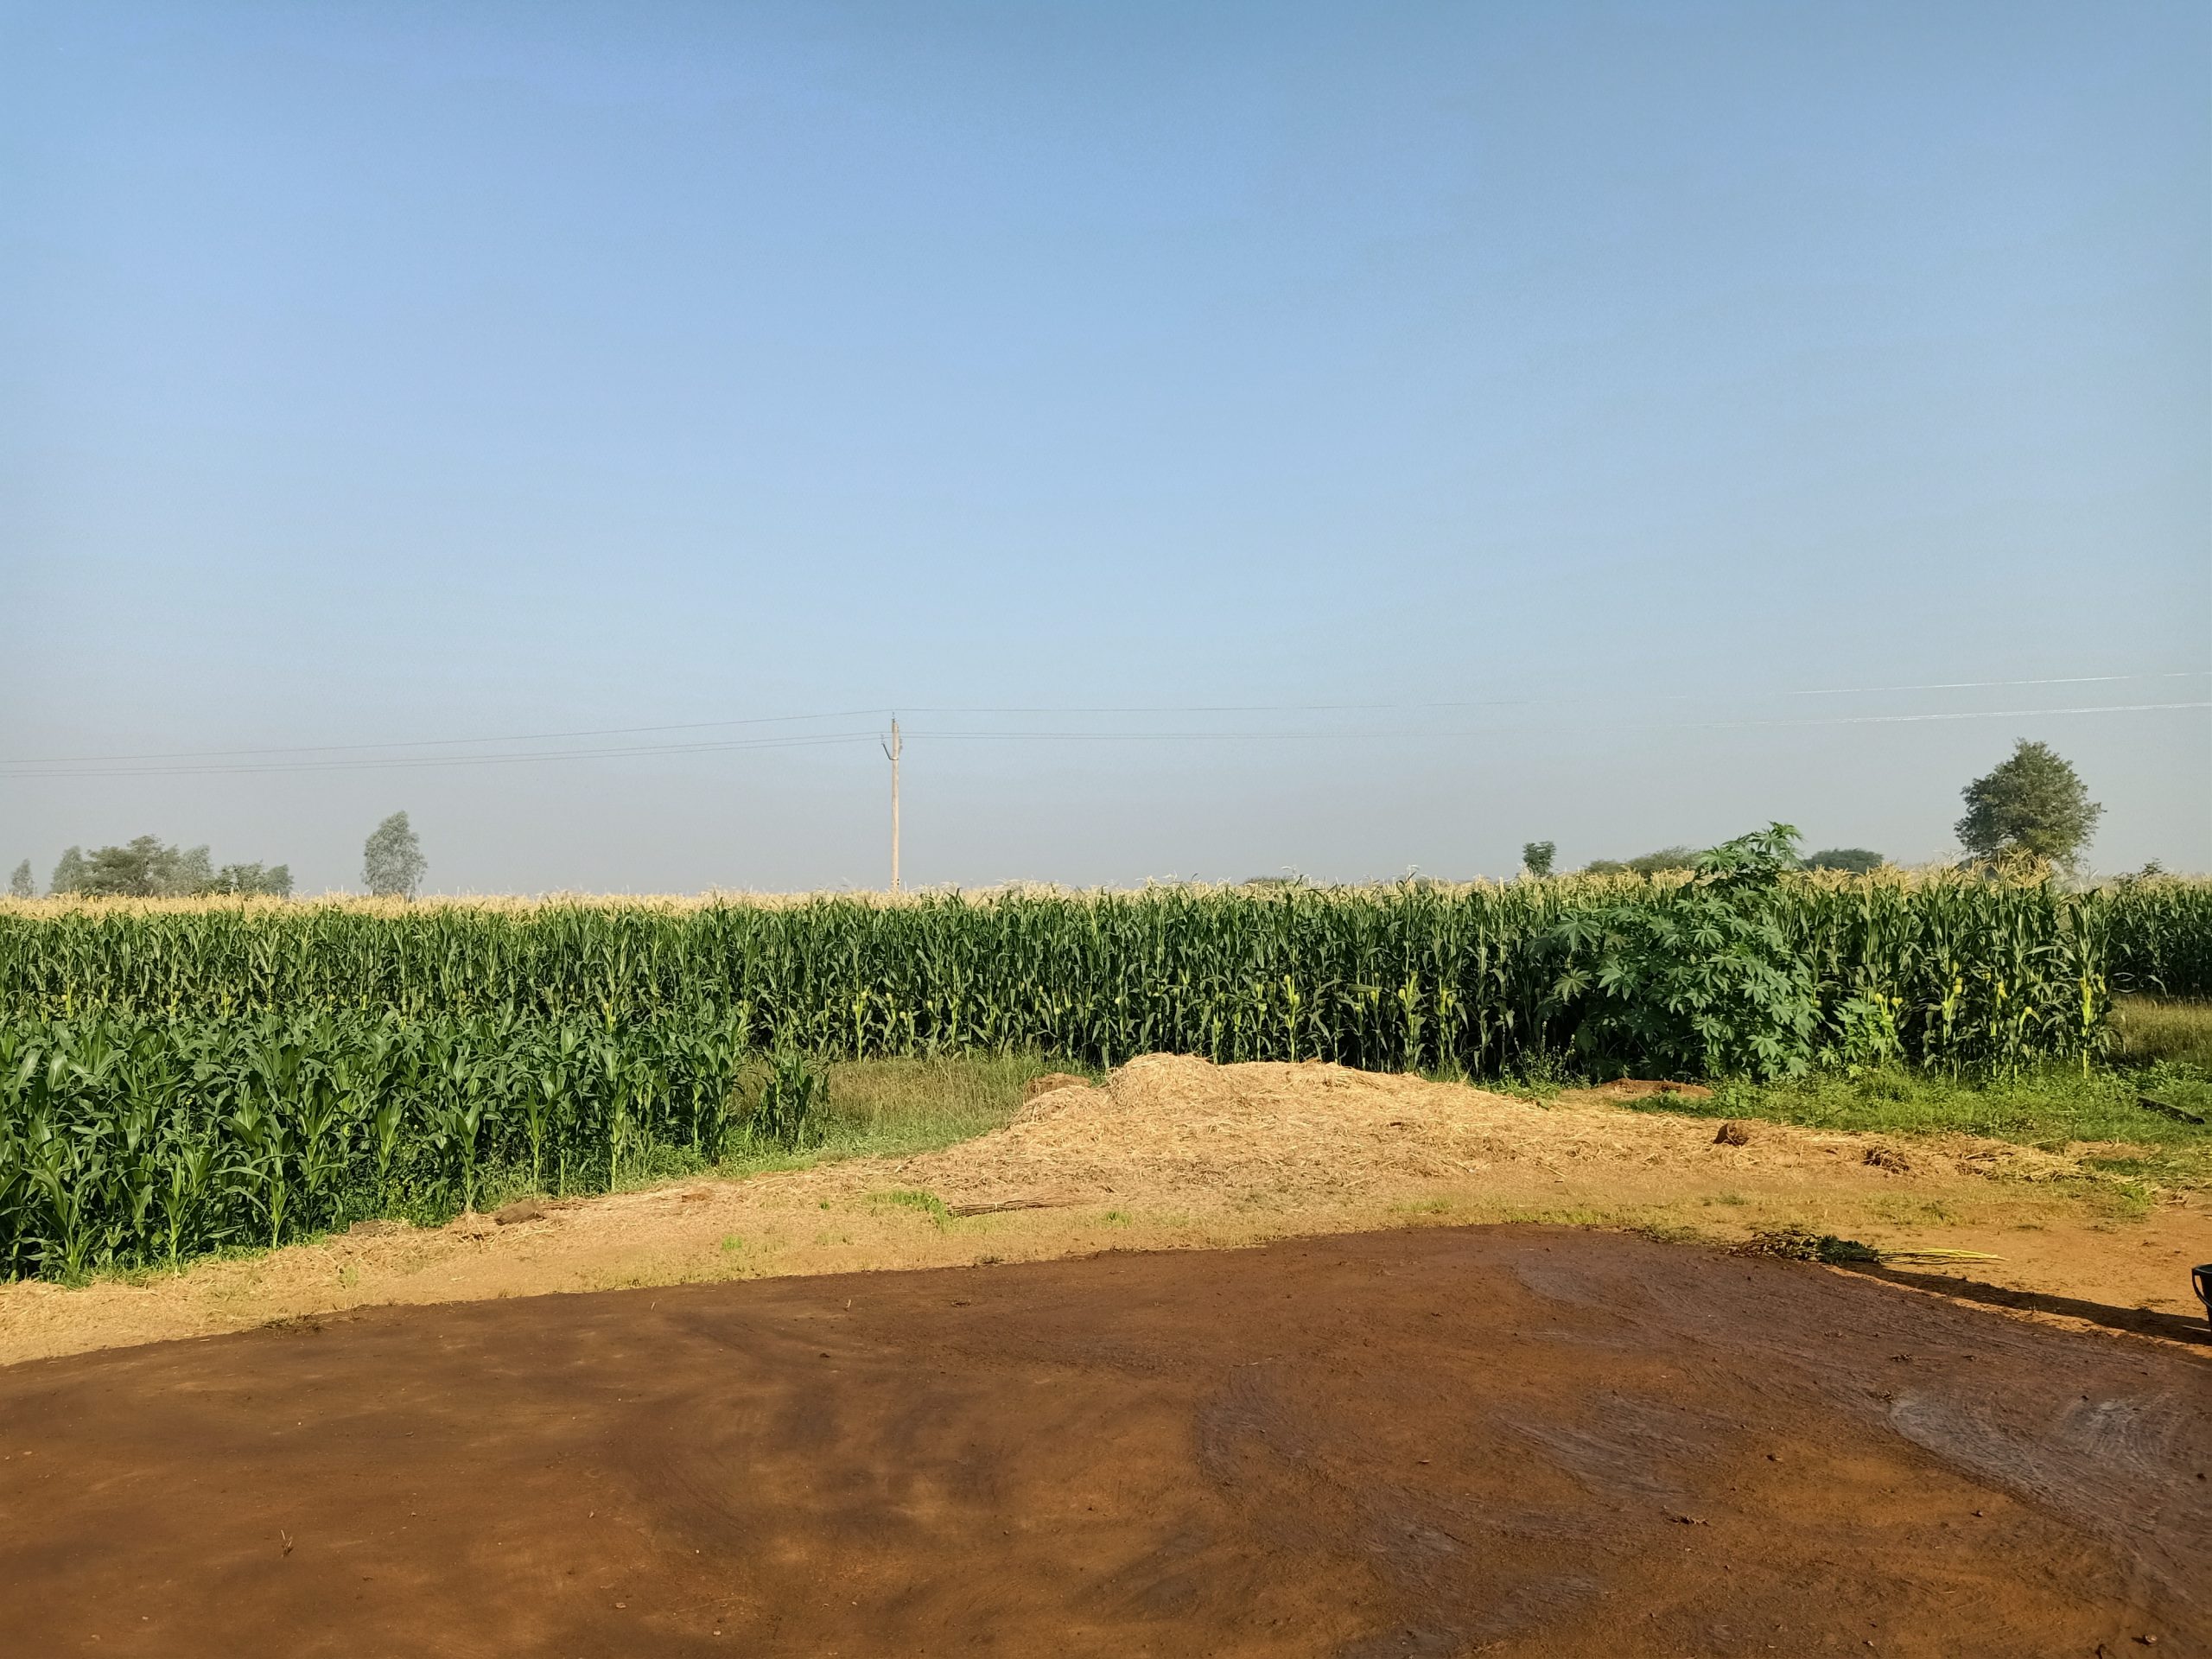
449,742
1966,714
1529,702
359,756
828,740
1633,725
810,740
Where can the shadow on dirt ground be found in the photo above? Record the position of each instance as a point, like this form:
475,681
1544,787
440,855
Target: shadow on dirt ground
1513,1440
2136,1321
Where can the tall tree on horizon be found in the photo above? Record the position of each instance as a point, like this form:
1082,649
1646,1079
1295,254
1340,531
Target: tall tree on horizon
392,864
68,871
2032,804
20,885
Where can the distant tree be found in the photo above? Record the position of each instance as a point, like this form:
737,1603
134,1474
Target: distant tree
125,872
20,885
144,868
1536,857
392,862
68,872
272,881
1666,859
187,870
1860,861
1658,863
2033,804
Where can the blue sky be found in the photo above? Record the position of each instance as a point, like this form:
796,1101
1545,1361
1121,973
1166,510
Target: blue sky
1495,420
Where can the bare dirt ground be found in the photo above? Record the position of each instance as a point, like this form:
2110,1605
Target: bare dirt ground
1175,1153
1502,1440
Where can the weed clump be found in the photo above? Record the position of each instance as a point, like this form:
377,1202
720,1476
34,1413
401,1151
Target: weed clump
1802,1244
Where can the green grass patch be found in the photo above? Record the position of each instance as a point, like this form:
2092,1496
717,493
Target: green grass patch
2047,1107
1802,1244
2120,1195
927,1204
893,1108
2158,1077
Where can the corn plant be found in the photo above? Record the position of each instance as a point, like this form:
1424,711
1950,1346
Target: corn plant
789,1099
178,1076
128,1141
1974,972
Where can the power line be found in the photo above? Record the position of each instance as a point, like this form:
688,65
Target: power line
813,740
1984,685
445,742
1899,720
846,738
1639,726
1530,702
188,755
59,770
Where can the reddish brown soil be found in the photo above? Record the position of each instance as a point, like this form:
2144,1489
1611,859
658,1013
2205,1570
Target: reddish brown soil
1514,1440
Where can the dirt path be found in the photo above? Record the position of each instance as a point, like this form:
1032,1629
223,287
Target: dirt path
1509,1440
1175,1153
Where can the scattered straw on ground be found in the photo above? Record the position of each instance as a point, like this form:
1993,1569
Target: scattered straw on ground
1173,1151
1168,1125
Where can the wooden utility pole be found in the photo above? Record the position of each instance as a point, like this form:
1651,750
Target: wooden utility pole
891,749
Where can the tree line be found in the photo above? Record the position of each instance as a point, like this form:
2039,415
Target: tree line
148,867
392,865
2032,808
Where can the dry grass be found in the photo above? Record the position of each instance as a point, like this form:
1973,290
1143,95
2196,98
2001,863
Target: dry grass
1176,1126
2152,1029
1573,883
511,903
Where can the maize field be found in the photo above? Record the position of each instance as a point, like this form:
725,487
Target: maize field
2161,932
1412,975
133,1140
176,1077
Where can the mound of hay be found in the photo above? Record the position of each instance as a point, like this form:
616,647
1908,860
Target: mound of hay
1167,1122
1170,1122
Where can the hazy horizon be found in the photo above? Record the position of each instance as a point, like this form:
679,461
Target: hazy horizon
1264,439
